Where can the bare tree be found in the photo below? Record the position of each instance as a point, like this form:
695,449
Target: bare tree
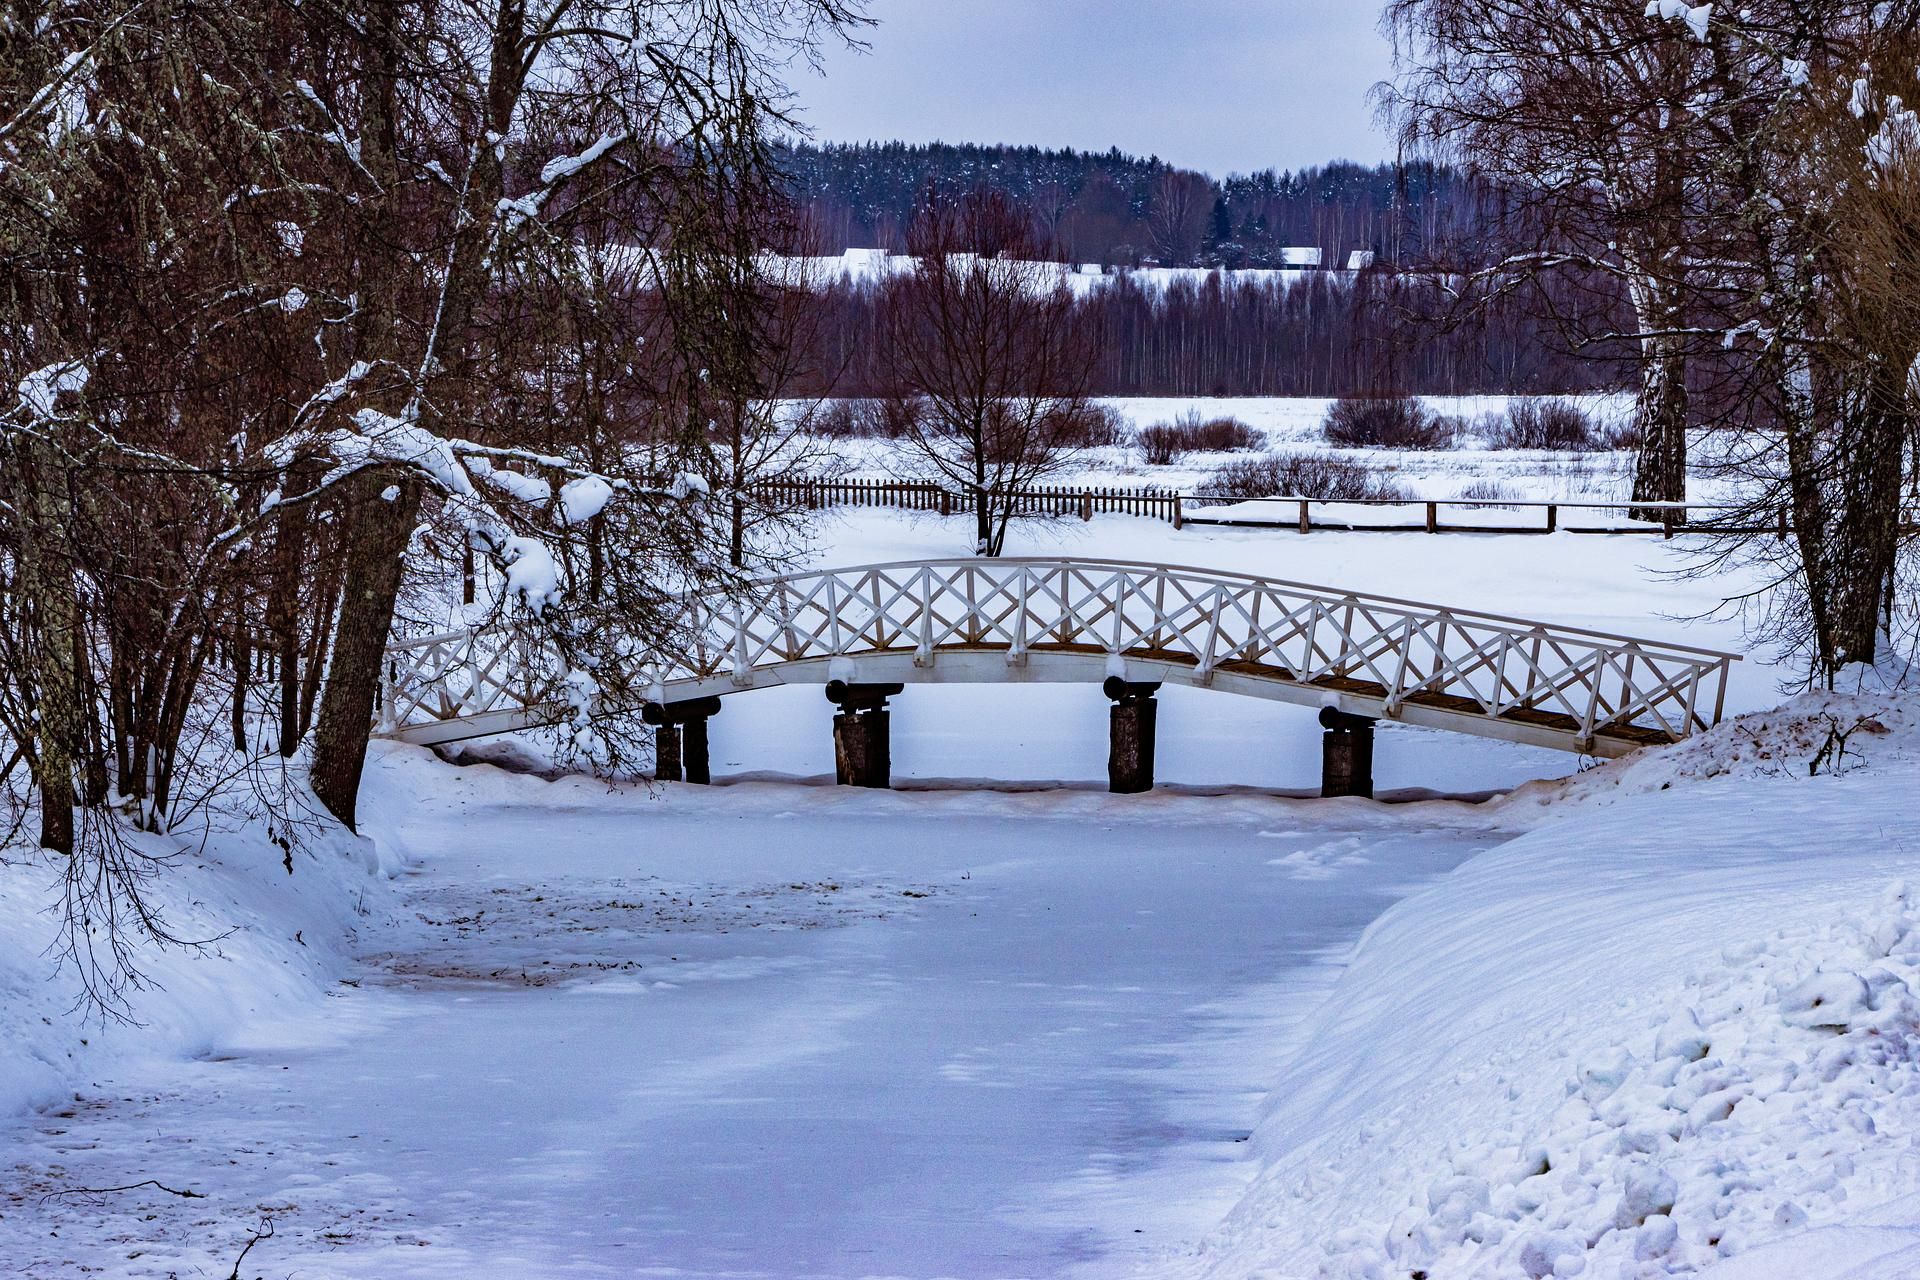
1177,215
1820,342
260,275
656,114
984,336
1587,116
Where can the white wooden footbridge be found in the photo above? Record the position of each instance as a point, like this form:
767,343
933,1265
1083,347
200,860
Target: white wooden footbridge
865,632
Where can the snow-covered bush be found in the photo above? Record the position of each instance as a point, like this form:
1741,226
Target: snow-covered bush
1485,490
1560,426
1385,422
1299,475
1165,443
1091,426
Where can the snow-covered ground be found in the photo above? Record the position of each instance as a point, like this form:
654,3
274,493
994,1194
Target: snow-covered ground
1294,425
1656,1018
1675,1028
761,1030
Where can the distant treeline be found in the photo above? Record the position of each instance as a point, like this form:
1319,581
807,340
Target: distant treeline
1117,209
1323,335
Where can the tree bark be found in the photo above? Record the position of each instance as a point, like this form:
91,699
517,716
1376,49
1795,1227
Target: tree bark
290,563
1660,417
1872,456
48,576
373,571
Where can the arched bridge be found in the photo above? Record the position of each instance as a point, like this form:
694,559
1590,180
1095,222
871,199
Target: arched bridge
1131,627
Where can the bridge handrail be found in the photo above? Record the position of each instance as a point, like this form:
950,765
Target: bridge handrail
1303,588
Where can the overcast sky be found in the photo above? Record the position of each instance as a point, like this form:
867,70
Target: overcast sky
1218,85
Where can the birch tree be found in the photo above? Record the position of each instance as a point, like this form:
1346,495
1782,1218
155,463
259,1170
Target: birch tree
1587,115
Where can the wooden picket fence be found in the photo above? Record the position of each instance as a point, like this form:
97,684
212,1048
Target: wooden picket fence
1058,500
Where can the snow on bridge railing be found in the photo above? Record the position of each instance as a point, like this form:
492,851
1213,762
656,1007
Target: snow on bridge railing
1459,668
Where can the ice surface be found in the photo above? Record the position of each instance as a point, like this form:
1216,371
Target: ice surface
763,1029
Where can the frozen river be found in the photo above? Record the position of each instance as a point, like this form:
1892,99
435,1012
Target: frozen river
764,1030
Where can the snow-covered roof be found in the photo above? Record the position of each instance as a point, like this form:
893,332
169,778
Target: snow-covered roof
1300,257
1359,259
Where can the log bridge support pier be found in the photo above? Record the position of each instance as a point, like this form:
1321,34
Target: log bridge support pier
680,752
1131,722
862,736
1346,754
863,739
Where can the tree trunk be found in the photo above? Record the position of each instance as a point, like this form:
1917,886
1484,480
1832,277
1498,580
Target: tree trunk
290,564
48,578
376,540
242,671
1660,417
1871,456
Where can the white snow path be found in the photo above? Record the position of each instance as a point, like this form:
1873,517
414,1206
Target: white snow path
633,1040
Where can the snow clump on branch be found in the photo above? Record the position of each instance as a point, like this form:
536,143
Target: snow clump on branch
1695,16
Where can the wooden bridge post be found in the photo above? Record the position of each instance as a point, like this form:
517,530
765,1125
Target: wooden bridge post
680,751
666,753
1131,722
1346,754
862,734
695,753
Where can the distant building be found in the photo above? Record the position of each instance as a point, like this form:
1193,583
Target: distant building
1300,259
1359,259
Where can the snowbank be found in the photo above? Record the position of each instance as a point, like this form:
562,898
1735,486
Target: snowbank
1673,1029
274,942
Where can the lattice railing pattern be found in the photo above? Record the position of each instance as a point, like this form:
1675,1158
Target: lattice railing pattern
1580,682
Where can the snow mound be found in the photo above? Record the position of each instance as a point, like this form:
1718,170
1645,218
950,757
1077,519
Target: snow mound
1655,1036
1661,1161
274,942
1812,735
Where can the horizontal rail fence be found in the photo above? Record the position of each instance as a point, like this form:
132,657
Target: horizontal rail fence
1364,515
1468,666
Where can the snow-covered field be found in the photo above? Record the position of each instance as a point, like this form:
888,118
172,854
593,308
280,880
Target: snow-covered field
1659,1018
1294,425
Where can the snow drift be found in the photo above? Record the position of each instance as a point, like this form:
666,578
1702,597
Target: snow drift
1675,1027
272,942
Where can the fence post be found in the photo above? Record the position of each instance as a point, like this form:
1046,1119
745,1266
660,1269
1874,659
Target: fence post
1553,517
1433,517
1306,521
1178,521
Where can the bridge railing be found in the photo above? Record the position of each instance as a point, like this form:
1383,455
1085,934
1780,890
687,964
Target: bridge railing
1569,680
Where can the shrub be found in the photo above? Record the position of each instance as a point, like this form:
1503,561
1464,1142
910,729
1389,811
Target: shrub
1488,491
1089,426
1385,422
1625,436
1298,475
893,416
1559,426
1164,443
884,419
838,420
